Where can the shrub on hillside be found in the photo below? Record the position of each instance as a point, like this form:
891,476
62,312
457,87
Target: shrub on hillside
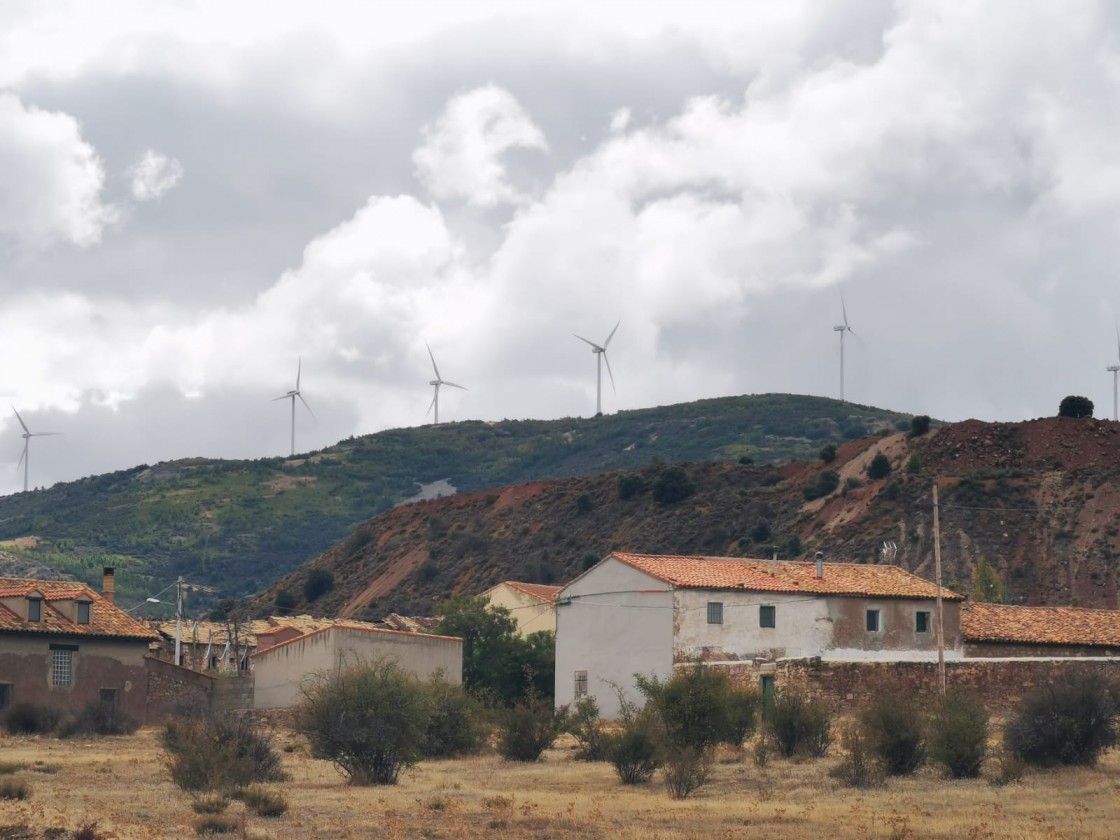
630,485
797,724
880,467
919,425
285,602
825,483
529,728
1073,406
760,533
319,582
32,719
958,736
914,464
370,719
672,486
828,453
894,732
1065,723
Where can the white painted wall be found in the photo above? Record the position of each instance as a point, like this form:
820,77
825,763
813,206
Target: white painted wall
531,614
803,626
280,672
612,622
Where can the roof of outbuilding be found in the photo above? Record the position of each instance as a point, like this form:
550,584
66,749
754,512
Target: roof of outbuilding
540,591
738,573
106,619
1040,625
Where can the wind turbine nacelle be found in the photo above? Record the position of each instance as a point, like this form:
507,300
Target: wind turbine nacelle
435,382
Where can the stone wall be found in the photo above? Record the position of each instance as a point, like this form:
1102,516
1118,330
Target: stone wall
846,686
173,690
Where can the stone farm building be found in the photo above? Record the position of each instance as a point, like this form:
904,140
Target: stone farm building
64,645
643,614
531,605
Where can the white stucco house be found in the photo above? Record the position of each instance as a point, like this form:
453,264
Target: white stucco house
642,614
531,605
283,669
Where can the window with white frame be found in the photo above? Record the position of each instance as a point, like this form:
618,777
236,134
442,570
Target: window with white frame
581,685
715,612
62,667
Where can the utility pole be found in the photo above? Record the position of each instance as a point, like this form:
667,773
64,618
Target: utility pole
179,621
940,612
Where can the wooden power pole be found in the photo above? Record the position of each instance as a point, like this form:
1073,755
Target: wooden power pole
940,611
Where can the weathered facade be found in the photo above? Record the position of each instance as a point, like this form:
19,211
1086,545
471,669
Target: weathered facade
64,645
283,669
643,614
531,605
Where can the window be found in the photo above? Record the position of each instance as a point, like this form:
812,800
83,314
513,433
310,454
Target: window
5,695
715,612
62,667
109,699
921,621
766,685
83,612
767,616
34,609
581,684
872,621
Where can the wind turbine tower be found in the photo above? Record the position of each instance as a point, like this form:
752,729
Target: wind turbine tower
435,383
600,351
292,395
1115,370
842,328
25,458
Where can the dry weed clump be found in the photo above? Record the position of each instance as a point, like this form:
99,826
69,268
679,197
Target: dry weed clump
16,789
216,824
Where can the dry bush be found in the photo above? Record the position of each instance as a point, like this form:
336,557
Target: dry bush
894,732
218,754
1065,723
14,789
215,803
797,725
529,728
959,735
30,719
685,769
262,802
216,824
98,718
859,768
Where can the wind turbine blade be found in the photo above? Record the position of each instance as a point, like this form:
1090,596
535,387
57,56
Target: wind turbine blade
22,455
431,404
592,343
20,419
44,434
609,337
305,405
611,375
844,309
1118,343
433,358
299,370
453,385
274,399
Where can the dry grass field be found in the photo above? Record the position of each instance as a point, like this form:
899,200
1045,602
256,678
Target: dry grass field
120,783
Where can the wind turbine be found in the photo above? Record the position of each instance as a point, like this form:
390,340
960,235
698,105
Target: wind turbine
1114,370
291,395
600,351
435,383
842,328
25,458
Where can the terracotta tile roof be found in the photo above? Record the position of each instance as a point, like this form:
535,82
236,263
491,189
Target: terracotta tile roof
855,579
106,619
1040,625
540,591
201,632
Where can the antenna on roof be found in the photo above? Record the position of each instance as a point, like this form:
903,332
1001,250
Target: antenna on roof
889,551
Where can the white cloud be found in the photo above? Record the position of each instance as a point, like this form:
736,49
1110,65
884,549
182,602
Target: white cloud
153,175
52,179
620,119
463,148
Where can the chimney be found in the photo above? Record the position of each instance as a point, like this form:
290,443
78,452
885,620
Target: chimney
774,561
820,564
108,586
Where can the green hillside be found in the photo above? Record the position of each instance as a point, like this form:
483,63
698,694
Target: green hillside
238,526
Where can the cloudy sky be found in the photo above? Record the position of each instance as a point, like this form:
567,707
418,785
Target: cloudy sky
196,195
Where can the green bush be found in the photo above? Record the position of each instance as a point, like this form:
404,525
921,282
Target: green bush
894,732
285,602
958,736
1073,406
742,714
633,750
319,582
919,425
797,724
672,486
693,707
1065,723
585,726
760,533
630,485
825,483
30,719
370,719
880,467
914,464
529,728
454,721
828,453
218,754
686,769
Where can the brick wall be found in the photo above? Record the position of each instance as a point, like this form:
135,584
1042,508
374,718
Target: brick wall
173,690
847,686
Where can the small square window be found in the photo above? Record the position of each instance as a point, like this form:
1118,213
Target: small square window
5,695
84,612
715,612
581,684
872,621
921,621
767,616
109,699
34,609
